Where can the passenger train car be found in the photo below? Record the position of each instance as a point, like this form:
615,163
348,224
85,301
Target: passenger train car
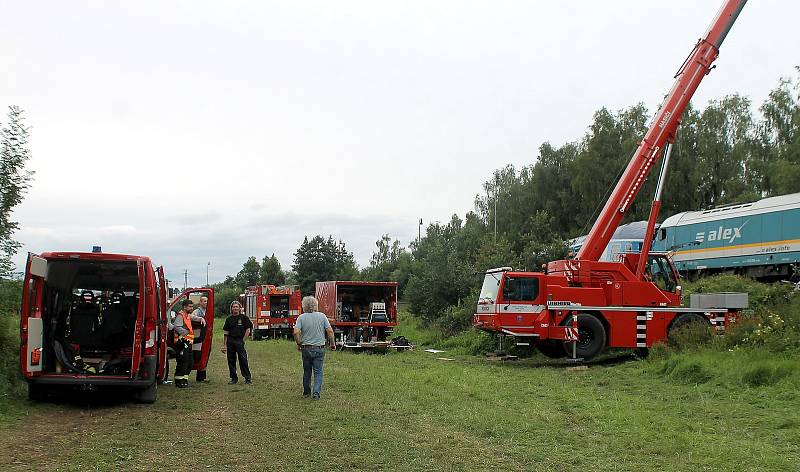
759,239
627,238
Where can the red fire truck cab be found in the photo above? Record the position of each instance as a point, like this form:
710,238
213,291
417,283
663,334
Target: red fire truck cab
362,314
96,320
272,310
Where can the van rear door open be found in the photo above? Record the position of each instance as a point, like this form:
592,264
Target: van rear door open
203,336
161,335
138,332
31,325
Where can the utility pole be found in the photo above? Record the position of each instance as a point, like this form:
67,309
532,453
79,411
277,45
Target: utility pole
185,278
419,232
207,267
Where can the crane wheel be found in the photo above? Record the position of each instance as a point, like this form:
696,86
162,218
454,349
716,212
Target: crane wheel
591,336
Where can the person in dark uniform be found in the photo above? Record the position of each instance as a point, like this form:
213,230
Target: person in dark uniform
236,328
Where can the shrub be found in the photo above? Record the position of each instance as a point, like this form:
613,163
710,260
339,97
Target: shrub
773,321
471,342
9,354
691,336
10,296
759,294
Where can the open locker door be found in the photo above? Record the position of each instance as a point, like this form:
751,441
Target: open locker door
31,325
202,335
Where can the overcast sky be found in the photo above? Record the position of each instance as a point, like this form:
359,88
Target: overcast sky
197,132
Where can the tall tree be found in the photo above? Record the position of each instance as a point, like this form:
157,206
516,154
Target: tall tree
14,181
724,145
271,273
249,275
390,262
320,259
778,164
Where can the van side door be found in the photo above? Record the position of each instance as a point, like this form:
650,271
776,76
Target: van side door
161,337
31,325
203,336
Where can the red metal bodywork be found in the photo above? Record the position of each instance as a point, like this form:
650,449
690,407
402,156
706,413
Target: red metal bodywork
272,310
335,296
633,309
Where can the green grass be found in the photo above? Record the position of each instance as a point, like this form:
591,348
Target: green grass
696,411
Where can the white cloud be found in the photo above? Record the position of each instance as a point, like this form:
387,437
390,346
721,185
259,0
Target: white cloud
197,132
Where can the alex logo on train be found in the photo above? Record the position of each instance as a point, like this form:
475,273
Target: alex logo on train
721,234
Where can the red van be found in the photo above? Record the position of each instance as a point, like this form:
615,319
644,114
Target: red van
95,320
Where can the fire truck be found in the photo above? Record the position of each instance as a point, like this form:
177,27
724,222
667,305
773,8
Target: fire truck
272,310
578,307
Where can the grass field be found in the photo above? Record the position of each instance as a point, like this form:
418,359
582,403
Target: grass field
412,411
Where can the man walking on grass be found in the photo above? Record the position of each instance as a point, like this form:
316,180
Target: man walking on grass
310,331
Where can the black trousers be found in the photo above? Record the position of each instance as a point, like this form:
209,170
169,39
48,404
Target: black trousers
201,374
236,350
183,361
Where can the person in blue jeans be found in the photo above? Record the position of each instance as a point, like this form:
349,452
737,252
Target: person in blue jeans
310,331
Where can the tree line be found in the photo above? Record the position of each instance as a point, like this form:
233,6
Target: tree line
726,152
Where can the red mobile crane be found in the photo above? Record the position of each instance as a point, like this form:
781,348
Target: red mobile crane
578,307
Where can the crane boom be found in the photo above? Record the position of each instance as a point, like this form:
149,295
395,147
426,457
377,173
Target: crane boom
661,131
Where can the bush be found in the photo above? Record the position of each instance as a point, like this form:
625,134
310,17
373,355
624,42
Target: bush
471,342
760,294
691,336
458,318
223,298
773,321
10,296
10,376
10,300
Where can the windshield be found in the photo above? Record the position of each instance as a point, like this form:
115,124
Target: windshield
660,273
491,283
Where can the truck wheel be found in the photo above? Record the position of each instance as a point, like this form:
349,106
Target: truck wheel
683,321
36,392
591,336
256,336
551,349
148,395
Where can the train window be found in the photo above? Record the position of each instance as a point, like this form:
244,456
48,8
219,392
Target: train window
662,234
521,290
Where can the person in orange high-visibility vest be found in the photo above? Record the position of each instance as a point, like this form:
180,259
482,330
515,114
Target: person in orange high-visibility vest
184,338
